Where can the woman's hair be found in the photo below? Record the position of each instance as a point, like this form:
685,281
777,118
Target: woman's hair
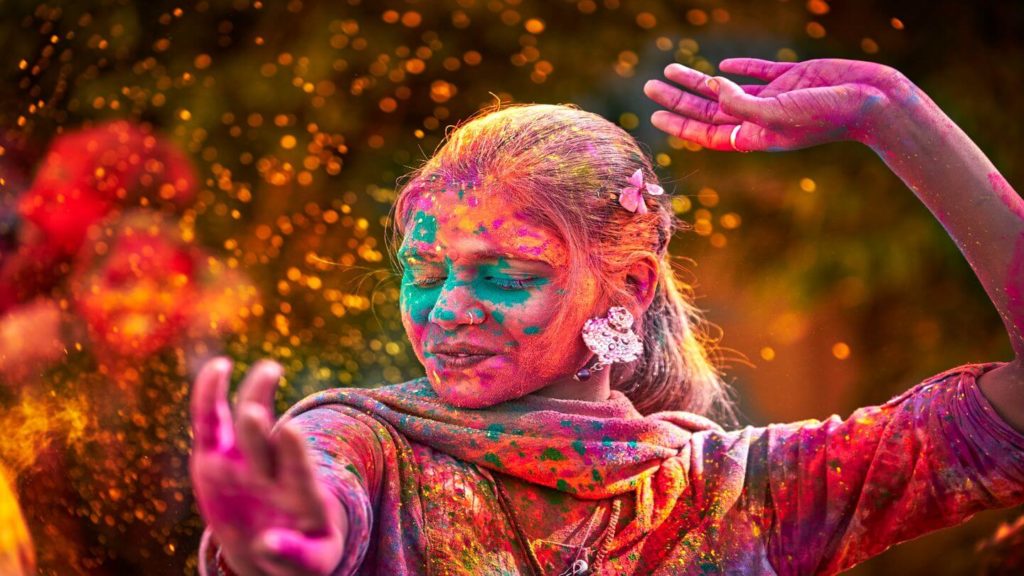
563,168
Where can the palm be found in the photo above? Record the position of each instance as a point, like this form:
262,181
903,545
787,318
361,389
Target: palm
801,105
258,492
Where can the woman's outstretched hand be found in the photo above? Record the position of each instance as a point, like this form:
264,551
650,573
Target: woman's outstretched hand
802,103
258,492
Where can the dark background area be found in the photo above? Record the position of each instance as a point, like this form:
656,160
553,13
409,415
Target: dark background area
831,285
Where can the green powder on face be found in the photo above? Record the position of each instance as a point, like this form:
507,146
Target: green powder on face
425,229
530,330
445,315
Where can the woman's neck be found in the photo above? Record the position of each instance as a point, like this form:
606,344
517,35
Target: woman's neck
596,389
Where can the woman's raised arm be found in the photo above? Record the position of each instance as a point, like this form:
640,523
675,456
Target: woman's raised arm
808,103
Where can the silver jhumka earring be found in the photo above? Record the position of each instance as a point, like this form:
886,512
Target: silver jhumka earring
610,338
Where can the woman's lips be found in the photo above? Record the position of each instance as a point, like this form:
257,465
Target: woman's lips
462,360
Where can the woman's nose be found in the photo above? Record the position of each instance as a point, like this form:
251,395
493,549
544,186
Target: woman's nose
456,305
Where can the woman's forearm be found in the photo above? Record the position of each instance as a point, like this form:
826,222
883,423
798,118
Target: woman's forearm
978,208
956,181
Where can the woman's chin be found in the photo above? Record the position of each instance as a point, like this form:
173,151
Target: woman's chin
472,393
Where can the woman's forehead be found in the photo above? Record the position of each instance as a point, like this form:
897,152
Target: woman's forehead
476,225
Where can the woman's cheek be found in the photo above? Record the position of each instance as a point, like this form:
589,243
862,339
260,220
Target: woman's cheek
416,305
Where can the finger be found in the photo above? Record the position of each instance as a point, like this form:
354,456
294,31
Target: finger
755,68
292,552
211,415
686,104
734,101
297,476
690,79
712,136
260,385
252,428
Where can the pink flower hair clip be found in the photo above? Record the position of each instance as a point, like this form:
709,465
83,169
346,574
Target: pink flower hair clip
631,197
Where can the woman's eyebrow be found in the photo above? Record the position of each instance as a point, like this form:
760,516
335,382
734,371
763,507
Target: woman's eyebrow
412,253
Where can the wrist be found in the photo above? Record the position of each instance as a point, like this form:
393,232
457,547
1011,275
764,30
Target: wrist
897,110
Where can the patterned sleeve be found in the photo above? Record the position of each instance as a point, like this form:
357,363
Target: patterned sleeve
841,491
349,461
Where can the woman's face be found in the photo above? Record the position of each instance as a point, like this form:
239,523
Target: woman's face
480,289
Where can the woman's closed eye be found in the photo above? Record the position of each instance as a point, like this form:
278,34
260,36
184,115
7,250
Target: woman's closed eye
512,283
504,283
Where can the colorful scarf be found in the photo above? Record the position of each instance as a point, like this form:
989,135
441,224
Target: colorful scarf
591,450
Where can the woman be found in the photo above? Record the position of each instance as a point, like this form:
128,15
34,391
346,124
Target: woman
534,240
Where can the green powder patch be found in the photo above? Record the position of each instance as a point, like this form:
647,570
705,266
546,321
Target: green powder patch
578,446
564,487
494,431
552,454
492,458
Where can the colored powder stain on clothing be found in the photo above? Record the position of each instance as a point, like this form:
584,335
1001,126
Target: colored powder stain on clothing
554,498
354,471
564,486
492,458
578,446
494,431
552,454
709,567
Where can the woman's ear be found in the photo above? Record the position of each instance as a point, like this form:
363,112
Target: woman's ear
642,280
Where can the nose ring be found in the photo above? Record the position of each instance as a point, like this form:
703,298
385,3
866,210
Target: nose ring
475,313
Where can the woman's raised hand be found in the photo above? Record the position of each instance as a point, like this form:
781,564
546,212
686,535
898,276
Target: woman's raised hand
257,492
802,103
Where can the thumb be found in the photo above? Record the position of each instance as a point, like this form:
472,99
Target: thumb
292,549
733,100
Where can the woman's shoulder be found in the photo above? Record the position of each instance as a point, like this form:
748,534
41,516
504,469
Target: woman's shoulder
687,420
360,397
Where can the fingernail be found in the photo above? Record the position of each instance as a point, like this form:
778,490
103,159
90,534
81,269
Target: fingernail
273,541
712,85
221,364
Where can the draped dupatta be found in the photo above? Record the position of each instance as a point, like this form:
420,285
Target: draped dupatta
590,450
